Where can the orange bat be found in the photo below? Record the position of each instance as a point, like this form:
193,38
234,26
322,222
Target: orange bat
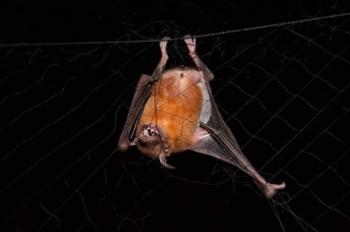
174,110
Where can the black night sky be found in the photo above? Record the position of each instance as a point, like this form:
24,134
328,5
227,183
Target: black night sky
284,92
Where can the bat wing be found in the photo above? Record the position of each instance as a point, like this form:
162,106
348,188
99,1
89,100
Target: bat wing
142,93
217,140
213,136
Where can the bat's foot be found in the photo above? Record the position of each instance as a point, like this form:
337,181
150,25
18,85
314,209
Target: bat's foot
163,161
162,44
191,45
270,189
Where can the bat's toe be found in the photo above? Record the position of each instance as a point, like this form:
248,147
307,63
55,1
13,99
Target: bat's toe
270,189
190,43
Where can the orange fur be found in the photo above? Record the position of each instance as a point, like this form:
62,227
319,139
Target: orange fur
175,106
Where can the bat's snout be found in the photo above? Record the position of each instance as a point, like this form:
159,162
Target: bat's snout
150,141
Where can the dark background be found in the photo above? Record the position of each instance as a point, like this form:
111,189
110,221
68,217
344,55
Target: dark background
283,91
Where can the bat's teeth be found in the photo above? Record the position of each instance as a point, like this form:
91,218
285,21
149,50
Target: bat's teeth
149,131
154,132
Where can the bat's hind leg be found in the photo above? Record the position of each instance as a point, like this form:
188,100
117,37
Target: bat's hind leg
163,59
191,46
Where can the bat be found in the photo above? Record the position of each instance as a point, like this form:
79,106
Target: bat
174,110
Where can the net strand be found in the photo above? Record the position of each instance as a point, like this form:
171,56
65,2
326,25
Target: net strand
153,40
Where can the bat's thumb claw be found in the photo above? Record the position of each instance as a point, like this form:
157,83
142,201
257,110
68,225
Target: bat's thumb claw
270,189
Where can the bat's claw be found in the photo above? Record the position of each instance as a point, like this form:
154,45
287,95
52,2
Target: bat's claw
165,40
163,161
191,44
162,44
270,189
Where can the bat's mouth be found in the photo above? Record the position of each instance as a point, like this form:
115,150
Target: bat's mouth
150,141
150,130
150,137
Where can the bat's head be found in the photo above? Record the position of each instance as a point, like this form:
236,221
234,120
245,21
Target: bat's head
150,141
